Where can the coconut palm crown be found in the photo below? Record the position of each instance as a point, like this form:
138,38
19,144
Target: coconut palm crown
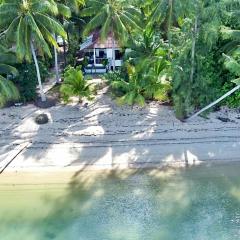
111,16
26,21
30,25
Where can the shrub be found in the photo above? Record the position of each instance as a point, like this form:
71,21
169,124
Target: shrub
27,82
206,85
133,92
73,47
112,78
8,91
139,87
75,85
232,101
233,66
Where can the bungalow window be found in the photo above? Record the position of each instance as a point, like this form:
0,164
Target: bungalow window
101,53
118,55
89,53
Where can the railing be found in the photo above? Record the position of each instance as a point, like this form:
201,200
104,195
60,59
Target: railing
101,60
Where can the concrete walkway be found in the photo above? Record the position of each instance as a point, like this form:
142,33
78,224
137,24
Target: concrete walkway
107,136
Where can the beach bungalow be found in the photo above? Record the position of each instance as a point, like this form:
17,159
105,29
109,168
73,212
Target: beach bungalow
98,54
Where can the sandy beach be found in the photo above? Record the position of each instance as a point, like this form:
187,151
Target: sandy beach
103,135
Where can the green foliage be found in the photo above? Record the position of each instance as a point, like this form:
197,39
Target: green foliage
138,87
30,25
119,18
116,76
206,86
198,74
133,91
74,6
73,48
232,101
145,75
147,49
8,91
75,85
170,14
30,21
26,81
233,66
176,46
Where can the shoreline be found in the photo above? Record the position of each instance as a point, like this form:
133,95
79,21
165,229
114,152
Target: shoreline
119,167
47,176
64,178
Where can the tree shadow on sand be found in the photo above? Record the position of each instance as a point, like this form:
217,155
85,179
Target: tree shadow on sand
101,134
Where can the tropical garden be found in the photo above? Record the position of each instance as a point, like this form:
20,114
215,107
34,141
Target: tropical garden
182,53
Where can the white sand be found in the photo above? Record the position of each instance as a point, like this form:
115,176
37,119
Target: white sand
106,136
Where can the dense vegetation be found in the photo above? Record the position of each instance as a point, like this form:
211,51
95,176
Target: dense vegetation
185,53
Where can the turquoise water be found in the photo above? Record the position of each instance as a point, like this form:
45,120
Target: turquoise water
200,203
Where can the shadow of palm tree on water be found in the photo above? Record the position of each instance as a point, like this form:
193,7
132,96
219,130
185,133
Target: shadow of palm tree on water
146,204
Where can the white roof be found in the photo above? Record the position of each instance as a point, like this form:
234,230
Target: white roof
88,42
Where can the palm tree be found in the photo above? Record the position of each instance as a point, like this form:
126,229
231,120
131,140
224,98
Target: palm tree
8,91
146,48
170,13
65,7
74,5
232,34
30,25
113,17
75,85
65,10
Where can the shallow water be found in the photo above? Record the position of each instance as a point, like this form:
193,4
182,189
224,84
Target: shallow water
200,203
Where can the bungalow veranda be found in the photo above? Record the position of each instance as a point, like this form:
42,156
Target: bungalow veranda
99,55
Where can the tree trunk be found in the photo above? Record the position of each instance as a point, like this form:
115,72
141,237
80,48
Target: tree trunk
170,5
113,52
216,102
68,38
64,44
56,63
194,49
64,53
43,97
